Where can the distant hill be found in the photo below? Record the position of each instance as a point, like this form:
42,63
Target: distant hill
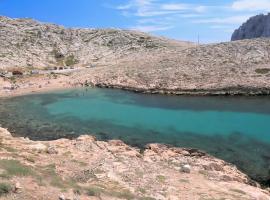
31,44
256,27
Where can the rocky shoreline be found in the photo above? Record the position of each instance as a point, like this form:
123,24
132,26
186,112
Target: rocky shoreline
41,84
230,91
85,168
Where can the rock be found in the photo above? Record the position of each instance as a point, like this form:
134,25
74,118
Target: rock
255,27
39,147
52,150
62,197
17,187
213,167
116,143
186,169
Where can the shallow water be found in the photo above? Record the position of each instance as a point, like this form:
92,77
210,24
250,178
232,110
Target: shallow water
235,129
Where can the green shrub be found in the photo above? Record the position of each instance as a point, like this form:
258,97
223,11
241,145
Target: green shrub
71,60
5,188
93,191
262,70
15,168
161,178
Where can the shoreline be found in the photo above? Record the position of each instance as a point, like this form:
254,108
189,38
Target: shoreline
62,83
160,163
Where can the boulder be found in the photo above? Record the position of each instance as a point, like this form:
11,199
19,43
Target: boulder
186,169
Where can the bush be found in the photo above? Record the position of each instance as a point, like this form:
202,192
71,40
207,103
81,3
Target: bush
70,60
15,168
262,70
5,188
93,191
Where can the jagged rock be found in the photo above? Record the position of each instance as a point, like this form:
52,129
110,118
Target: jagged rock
255,27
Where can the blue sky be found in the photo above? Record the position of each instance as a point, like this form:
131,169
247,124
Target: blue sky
212,20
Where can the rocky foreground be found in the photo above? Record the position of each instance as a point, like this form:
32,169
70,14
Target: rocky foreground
85,168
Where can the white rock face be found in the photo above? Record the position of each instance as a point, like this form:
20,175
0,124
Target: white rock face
255,27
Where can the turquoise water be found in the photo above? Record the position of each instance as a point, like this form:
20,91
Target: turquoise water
232,128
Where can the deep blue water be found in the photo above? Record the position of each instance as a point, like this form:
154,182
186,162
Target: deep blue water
236,129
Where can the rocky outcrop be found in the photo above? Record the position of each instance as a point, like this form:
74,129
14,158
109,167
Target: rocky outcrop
85,168
256,27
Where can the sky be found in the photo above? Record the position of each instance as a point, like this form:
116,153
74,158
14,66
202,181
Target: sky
207,20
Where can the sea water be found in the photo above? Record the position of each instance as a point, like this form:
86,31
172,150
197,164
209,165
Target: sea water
236,129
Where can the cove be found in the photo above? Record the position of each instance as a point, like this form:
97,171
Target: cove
235,129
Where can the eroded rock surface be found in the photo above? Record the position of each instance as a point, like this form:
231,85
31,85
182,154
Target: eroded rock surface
85,168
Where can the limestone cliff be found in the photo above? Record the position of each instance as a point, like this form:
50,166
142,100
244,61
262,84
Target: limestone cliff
256,27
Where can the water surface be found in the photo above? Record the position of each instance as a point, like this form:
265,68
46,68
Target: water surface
235,129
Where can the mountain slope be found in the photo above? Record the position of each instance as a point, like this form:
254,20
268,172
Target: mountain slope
28,43
134,60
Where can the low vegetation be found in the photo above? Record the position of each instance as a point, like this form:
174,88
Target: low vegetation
262,70
71,60
14,168
5,188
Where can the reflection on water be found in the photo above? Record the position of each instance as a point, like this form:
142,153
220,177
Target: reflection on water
232,128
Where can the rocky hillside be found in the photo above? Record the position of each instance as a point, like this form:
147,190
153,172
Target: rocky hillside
240,67
26,43
256,27
133,60
88,169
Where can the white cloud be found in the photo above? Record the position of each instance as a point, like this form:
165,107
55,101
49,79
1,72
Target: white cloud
162,15
251,5
174,6
156,15
226,20
152,28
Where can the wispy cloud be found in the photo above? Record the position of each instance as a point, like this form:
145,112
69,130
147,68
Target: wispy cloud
153,28
152,15
251,5
163,15
224,20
